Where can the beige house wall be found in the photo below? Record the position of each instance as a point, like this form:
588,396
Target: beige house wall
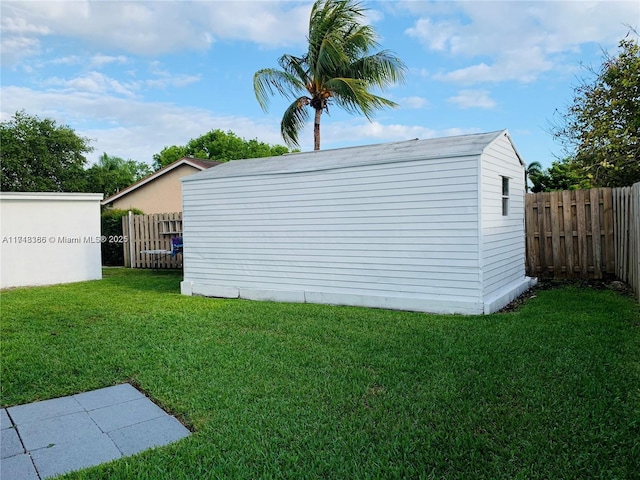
161,195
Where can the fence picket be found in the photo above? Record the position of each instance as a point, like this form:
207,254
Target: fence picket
609,258
583,260
532,238
147,233
567,217
126,233
634,225
554,206
596,233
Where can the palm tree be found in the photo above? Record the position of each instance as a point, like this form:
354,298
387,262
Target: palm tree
338,68
534,172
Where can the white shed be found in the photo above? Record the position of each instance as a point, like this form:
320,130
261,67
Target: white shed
425,225
48,238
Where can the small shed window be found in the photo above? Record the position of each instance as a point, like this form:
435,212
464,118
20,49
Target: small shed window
505,196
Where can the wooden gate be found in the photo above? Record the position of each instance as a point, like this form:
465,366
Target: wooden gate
570,234
149,240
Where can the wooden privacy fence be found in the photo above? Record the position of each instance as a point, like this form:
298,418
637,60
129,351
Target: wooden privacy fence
570,234
626,220
589,234
151,232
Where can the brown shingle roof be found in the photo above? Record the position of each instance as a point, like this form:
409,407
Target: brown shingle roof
202,162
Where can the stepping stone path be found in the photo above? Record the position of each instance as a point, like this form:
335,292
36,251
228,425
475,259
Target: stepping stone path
44,439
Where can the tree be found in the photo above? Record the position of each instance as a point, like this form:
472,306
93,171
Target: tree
562,175
169,155
337,68
220,146
111,174
601,128
41,156
533,173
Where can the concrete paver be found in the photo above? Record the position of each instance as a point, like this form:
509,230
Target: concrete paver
57,430
5,421
152,433
74,455
125,414
18,467
44,439
11,444
34,412
108,396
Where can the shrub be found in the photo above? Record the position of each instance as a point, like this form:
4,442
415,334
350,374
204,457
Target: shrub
111,227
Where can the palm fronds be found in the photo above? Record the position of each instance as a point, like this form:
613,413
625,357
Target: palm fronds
338,67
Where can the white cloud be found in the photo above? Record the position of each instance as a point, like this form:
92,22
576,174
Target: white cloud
523,65
18,25
132,128
390,132
167,79
101,60
273,23
420,72
173,81
473,99
359,132
99,83
522,40
13,48
67,60
437,36
94,82
413,102
128,127
150,27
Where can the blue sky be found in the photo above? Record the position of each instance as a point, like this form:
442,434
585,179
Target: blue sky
135,77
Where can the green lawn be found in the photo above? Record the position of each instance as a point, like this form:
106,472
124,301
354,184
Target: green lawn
274,390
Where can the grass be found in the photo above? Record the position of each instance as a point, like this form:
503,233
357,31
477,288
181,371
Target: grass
274,390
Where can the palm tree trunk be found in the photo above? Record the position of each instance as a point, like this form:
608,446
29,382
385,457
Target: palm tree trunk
316,129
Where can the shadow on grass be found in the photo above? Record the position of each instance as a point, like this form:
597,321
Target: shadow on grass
144,279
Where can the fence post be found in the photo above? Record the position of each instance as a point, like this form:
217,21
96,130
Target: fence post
634,226
131,246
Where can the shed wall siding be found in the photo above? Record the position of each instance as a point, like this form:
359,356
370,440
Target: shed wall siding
503,240
402,235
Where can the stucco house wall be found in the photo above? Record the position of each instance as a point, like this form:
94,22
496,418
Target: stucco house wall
160,192
49,238
163,195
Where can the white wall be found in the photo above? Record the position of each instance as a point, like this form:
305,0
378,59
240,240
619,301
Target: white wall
49,238
403,226
398,235
503,237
